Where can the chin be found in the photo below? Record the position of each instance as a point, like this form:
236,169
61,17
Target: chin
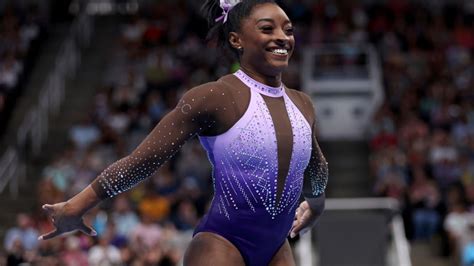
275,68
277,65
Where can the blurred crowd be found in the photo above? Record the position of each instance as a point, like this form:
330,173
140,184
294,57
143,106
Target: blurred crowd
422,138
20,32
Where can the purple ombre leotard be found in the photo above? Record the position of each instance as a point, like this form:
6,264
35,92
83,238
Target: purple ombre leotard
261,143
245,209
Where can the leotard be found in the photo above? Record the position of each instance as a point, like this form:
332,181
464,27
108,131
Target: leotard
260,141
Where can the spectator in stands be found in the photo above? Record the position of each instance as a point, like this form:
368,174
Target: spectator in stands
24,235
19,28
146,234
457,225
16,253
84,134
123,216
154,206
104,253
467,255
185,218
425,199
73,255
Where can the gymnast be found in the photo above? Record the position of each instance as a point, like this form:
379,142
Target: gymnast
260,139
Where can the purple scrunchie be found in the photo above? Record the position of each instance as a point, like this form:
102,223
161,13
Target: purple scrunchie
226,6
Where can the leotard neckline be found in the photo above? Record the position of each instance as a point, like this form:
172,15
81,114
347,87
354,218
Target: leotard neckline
258,86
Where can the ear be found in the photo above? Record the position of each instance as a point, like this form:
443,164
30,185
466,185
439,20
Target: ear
235,41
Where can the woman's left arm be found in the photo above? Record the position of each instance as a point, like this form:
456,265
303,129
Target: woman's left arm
314,186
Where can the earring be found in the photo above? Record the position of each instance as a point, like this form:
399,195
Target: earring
241,50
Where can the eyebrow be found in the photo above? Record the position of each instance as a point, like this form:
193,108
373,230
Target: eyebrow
271,20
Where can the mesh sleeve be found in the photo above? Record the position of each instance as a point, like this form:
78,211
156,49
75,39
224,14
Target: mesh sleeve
317,172
194,114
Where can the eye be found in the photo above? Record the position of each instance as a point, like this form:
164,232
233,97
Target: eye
290,31
267,29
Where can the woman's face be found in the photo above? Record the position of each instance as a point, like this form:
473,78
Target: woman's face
266,37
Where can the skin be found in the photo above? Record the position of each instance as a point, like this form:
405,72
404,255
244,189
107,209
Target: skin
267,27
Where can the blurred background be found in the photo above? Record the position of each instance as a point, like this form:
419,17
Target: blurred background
83,82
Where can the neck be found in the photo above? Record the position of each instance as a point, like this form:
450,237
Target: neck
270,80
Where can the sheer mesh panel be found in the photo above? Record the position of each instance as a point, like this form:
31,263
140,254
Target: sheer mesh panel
209,110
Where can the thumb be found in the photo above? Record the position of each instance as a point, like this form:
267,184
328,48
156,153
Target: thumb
87,229
49,235
48,208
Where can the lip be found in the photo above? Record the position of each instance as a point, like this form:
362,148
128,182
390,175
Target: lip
279,56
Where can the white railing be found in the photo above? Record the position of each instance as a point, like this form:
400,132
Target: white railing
12,171
400,242
306,255
33,130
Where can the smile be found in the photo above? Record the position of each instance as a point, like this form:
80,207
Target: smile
279,51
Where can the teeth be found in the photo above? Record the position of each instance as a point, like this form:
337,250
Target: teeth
280,51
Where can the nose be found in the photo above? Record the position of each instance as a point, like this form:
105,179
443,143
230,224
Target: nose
281,37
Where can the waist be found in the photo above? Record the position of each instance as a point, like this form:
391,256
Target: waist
246,224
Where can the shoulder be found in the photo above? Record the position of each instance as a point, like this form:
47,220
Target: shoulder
300,96
206,89
205,98
303,101
207,93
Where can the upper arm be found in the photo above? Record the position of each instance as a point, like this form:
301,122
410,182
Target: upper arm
309,109
194,113
316,173
305,105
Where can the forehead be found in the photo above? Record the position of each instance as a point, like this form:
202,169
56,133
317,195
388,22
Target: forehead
269,11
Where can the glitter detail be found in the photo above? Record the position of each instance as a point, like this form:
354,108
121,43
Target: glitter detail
245,161
318,172
258,86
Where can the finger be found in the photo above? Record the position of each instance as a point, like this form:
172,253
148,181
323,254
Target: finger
87,230
48,208
299,224
299,213
295,228
304,205
292,233
50,235
295,222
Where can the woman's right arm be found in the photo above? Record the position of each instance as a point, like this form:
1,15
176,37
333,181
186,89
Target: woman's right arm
194,114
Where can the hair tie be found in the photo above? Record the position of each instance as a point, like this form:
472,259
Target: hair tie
226,6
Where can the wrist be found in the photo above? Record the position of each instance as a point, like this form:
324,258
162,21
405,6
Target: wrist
82,202
316,204
71,208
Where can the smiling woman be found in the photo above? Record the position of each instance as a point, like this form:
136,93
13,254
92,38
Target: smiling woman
259,136
264,33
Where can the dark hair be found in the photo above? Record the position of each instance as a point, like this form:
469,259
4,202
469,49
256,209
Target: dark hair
219,31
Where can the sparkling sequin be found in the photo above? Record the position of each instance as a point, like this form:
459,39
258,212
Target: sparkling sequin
245,159
261,88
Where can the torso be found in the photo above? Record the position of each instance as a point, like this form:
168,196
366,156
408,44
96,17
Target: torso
258,165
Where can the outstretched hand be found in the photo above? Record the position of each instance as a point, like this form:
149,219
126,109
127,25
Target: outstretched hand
305,218
64,221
